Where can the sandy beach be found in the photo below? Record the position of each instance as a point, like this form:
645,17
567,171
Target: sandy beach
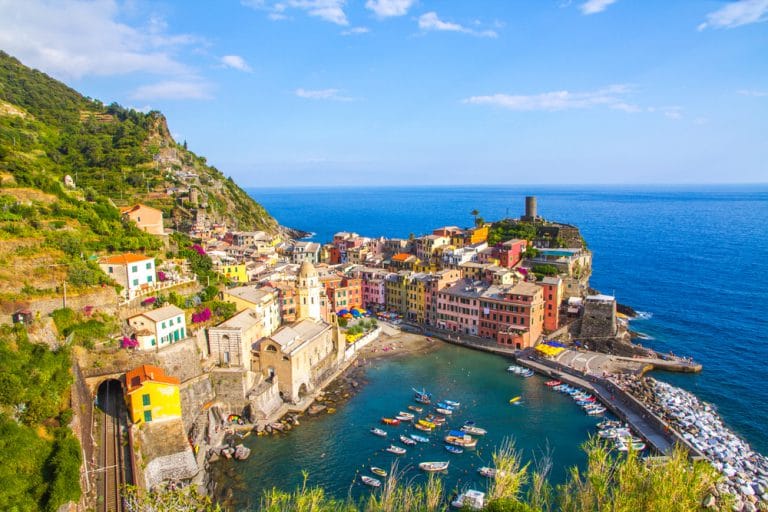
398,343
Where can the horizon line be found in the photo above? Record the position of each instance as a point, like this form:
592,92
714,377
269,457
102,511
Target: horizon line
511,185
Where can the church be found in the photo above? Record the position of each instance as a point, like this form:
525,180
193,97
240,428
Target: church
303,354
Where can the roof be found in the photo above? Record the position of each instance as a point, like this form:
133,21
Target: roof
292,337
551,280
137,206
251,294
124,259
401,256
160,314
307,269
600,298
136,378
245,319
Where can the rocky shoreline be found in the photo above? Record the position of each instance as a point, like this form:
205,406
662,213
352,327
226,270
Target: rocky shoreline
744,471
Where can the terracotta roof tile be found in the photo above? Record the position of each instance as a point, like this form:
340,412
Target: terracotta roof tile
135,378
124,259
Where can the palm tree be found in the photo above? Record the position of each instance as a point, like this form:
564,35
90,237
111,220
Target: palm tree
475,213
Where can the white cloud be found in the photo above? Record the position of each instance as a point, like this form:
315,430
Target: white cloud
389,8
355,31
322,94
328,10
174,90
736,14
752,92
595,6
235,62
430,21
75,38
611,97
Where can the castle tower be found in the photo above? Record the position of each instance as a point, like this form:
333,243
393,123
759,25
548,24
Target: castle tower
530,209
308,290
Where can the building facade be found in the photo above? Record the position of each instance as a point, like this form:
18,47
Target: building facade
133,272
151,395
159,328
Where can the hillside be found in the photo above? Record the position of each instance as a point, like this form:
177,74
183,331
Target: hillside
114,157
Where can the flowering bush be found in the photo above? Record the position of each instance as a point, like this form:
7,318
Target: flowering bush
201,316
198,249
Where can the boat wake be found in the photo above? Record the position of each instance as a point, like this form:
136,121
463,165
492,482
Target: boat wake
643,336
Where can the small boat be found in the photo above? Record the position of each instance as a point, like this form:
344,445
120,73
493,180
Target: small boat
608,424
390,421
436,419
470,499
624,447
422,396
515,400
370,481
378,432
421,427
446,412
423,400
378,471
433,467
552,383
415,408
420,439
487,472
407,440
404,416
397,450
454,449
427,423
453,404
475,431
596,411
465,441
444,405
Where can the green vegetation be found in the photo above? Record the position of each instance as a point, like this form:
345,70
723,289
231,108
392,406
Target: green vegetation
39,457
545,270
84,331
115,156
509,229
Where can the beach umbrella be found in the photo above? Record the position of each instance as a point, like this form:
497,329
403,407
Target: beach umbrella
343,312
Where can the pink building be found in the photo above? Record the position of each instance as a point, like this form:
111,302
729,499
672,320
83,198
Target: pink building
458,306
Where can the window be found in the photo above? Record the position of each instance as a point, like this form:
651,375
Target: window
162,325
149,265
152,342
135,282
110,270
149,279
145,400
147,416
135,268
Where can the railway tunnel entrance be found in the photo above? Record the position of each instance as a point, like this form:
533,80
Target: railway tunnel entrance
114,460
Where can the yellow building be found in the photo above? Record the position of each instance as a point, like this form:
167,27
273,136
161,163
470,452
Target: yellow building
237,273
477,235
152,396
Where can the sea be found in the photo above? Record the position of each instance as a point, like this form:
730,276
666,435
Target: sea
692,260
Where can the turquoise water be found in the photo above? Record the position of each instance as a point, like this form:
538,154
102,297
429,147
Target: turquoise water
694,258
335,448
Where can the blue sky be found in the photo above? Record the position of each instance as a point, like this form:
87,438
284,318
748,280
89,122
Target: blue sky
393,92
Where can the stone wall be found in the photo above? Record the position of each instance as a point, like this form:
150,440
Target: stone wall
231,386
194,395
102,299
264,399
598,319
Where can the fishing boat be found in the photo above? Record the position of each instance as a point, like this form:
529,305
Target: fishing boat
422,396
420,439
378,432
370,481
435,418
475,431
390,421
433,467
427,423
596,411
446,412
464,441
407,440
454,449
397,450
452,403
470,499
415,408
444,405
515,400
423,428
552,383
404,416
378,471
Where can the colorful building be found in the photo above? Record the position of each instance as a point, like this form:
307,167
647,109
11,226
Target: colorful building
512,315
553,296
152,396
263,300
146,218
343,292
511,252
230,343
237,273
458,306
133,272
159,328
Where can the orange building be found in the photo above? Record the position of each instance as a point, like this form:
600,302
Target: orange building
152,395
343,292
553,296
146,218
513,315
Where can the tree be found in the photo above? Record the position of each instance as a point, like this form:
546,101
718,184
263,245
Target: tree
474,213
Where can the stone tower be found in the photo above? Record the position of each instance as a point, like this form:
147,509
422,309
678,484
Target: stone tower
309,293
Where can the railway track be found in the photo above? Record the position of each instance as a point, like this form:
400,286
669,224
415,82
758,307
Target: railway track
111,459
